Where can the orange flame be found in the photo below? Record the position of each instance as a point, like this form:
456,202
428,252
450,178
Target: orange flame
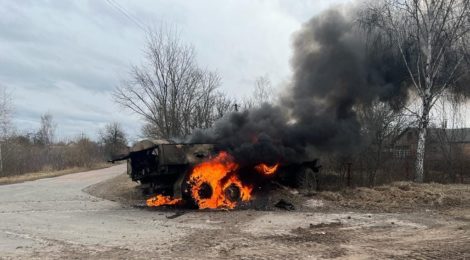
219,174
160,200
265,169
215,184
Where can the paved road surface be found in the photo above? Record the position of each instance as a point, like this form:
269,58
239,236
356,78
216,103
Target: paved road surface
54,219
45,217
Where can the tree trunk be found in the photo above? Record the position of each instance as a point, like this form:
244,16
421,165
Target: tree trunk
378,163
422,133
419,174
427,101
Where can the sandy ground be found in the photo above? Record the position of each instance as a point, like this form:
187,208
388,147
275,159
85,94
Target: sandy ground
57,218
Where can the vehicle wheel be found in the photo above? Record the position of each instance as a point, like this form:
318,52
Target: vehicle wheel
205,191
233,193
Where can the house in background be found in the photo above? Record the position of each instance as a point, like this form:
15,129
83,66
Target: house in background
447,154
439,142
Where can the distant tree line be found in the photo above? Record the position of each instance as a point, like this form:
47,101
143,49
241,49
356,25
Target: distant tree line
40,151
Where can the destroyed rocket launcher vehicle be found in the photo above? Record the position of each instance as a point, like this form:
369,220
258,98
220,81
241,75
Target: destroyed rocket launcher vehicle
163,167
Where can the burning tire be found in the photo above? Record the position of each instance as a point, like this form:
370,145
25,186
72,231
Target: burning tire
205,191
233,193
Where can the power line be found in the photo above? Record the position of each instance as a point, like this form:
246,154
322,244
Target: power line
123,11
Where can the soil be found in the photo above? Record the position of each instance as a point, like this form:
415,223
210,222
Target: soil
119,189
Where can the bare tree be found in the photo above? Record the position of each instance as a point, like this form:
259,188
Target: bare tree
263,92
431,36
6,110
380,123
451,109
223,105
113,138
201,113
46,133
170,91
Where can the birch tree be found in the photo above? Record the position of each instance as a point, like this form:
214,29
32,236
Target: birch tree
431,36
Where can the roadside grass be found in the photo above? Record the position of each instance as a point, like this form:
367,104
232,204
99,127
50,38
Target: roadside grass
402,196
49,174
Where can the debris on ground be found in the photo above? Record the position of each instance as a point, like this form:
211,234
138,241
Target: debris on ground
326,225
282,204
177,214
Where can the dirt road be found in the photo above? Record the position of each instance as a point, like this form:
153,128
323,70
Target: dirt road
55,219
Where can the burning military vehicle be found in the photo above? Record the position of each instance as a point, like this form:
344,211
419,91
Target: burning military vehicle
203,175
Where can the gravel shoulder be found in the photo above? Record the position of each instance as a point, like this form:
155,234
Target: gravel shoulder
57,218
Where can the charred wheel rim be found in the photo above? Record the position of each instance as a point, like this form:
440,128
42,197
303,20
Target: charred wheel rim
233,192
205,191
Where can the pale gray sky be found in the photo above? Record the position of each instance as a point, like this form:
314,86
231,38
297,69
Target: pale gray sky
65,57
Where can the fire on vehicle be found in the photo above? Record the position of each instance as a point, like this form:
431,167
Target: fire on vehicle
202,175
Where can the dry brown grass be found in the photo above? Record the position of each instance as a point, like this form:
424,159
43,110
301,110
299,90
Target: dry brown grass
48,174
402,196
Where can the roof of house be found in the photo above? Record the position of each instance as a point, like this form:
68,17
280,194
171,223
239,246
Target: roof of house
455,135
458,135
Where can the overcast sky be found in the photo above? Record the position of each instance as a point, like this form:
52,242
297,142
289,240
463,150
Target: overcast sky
66,57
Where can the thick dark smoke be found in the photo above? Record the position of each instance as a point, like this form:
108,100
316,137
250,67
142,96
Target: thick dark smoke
335,70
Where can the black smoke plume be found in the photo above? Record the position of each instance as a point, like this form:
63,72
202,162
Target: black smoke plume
335,69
